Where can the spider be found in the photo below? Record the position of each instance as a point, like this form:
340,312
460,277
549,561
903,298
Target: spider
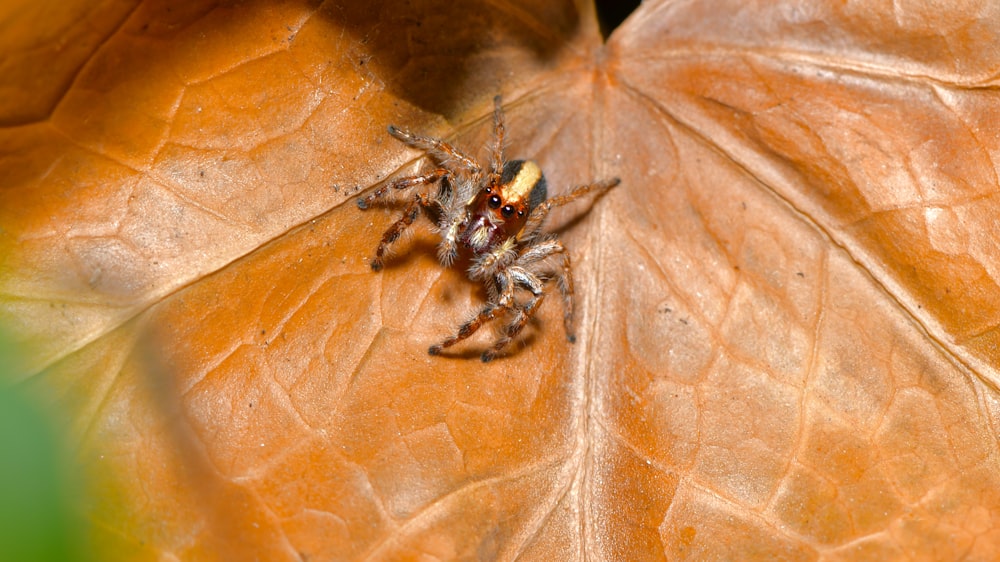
493,217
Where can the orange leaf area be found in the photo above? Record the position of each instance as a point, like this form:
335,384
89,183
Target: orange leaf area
786,314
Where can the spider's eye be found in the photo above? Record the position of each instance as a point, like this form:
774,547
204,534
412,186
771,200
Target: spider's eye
494,201
507,211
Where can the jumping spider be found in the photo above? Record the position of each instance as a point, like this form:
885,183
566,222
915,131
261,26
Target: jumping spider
495,217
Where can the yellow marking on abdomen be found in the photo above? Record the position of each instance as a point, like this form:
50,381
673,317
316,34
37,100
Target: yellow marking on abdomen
520,187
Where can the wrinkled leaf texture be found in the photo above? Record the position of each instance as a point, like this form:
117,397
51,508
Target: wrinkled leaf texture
787,312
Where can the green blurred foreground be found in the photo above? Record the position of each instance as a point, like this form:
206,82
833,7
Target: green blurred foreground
37,518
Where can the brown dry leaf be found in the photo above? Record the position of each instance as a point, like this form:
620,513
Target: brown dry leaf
787,312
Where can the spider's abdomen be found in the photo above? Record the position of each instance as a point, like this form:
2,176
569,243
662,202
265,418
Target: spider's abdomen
522,180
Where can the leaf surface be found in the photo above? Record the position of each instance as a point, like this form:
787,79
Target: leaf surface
786,314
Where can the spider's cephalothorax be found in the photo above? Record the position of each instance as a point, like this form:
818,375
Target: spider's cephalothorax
500,211
495,216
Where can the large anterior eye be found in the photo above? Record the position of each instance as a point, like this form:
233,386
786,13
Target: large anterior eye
507,211
494,201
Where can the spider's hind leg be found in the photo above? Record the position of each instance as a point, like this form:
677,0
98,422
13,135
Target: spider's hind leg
521,316
488,313
522,313
501,289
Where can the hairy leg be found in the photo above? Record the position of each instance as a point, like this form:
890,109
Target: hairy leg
436,147
400,184
420,200
488,313
538,215
564,280
521,316
499,134
501,290
539,250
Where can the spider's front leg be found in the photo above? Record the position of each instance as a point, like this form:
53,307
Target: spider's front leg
437,148
499,135
533,226
420,200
